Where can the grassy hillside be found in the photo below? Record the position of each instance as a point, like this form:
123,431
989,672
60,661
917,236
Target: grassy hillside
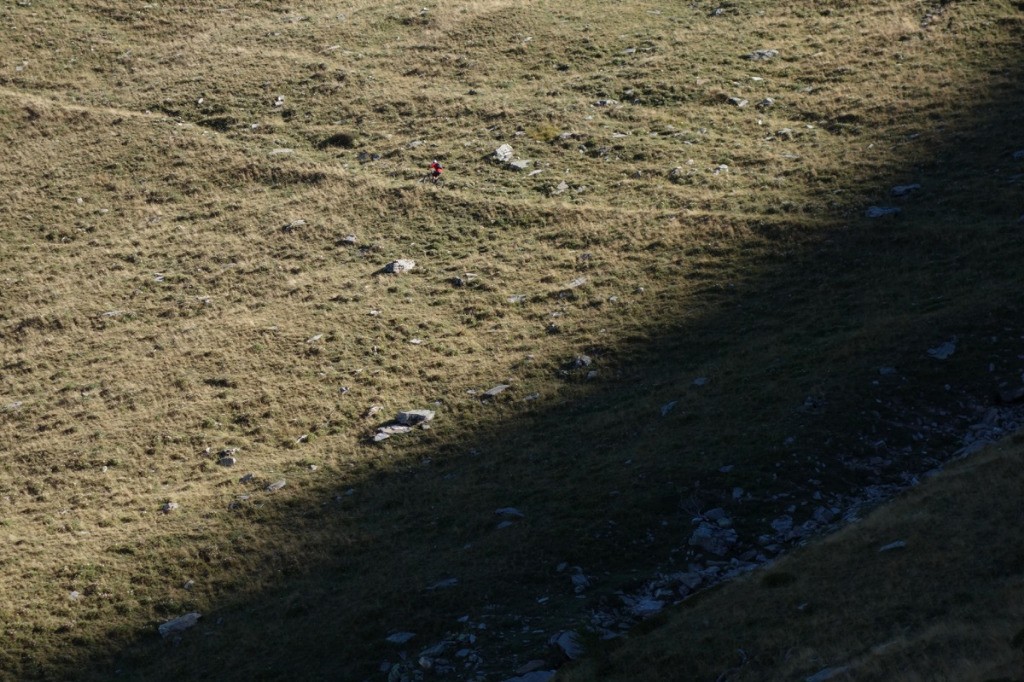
682,294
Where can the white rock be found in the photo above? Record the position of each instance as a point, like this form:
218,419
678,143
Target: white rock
179,624
169,507
414,417
519,164
276,485
491,392
504,153
399,266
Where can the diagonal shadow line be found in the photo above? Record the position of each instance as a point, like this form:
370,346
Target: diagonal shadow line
928,272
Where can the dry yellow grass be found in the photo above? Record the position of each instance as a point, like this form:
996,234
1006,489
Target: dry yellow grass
153,305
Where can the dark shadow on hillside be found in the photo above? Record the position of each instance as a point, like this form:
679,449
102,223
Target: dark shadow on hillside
817,370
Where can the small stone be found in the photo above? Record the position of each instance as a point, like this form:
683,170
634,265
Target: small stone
399,266
898,544
510,511
943,350
700,381
561,187
904,190
766,103
169,507
443,585
1018,155
667,407
414,417
738,102
827,674
246,478
280,151
581,361
519,164
580,582
534,676
349,240
74,595
276,485
504,153
189,584
761,55
178,625
516,298
492,392
569,643
227,461
400,637
293,225
605,102
576,283
882,211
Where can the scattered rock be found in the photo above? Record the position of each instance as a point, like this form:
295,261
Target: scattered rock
400,637
569,643
713,538
943,350
247,478
605,102
519,164
1018,155
738,102
581,361
904,190
766,103
372,411
827,674
293,225
349,240
397,267
442,585
580,581
492,392
646,607
510,511
74,595
280,151
561,187
504,153
169,507
761,55
1011,395
227,461
667,407
882,211
535,676
414,417
178,625
276,485
899,544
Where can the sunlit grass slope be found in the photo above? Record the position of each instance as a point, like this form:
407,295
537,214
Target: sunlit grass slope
176,281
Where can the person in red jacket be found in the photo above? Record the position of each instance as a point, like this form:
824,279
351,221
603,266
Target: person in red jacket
436,169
